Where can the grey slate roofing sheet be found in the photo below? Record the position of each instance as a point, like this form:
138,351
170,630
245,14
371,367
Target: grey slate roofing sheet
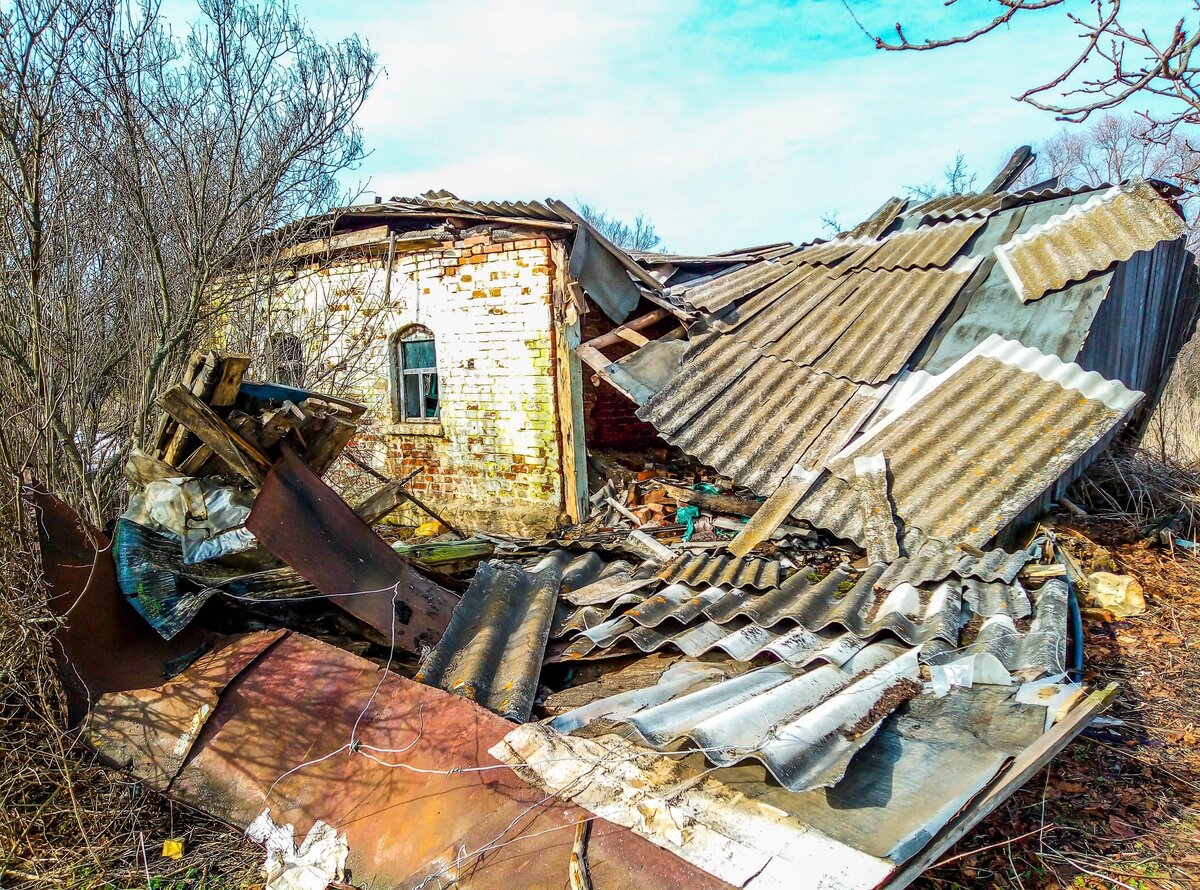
1090,237
994,432
949,207
492,650
721,570
864,327
754,417
797,723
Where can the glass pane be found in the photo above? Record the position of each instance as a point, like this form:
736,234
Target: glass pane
431,395
418,354
412,395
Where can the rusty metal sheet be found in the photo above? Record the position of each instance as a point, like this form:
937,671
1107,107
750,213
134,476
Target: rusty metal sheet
152,730
418,798
303,521
106,646
1111,226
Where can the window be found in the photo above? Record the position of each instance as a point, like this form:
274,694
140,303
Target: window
285,354
414,375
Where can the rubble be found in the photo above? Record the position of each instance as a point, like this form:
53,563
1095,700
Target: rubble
809,628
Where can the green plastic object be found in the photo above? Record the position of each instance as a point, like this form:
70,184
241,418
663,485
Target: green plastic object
688,515
706,487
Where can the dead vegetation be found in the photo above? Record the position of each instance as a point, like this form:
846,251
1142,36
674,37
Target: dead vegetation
65,819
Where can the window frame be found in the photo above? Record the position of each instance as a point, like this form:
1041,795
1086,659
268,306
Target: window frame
400,374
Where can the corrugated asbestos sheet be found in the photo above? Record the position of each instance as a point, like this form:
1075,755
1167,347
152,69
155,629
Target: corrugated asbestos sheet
492,650
950,207
970,454
791,720
721,570
800,718
754,417
801,621
1110,227
865,328
923,248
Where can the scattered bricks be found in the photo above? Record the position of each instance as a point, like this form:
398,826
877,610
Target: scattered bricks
464,278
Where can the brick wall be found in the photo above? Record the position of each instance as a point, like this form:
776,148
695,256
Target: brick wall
492,459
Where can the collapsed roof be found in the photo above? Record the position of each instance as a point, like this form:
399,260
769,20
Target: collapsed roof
834,696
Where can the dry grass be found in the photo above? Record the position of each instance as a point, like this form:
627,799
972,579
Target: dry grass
65,820
1138,486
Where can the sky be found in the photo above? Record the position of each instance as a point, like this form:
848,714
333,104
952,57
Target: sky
727,124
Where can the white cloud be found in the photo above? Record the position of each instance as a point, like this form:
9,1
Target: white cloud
727,125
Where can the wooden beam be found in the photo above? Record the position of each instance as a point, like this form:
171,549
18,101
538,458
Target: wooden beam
228,380
374,236
716,503
191,413
142,469
385,500
568,391
628,331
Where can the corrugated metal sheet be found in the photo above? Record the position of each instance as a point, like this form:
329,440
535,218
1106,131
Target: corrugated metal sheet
1110,227
754,417
721,570
492,651
994,432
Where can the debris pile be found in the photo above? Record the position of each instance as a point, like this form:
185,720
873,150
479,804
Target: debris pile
815,628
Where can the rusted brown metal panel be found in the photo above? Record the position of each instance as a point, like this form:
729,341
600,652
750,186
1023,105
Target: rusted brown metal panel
451,810
153,730
106,646
305,523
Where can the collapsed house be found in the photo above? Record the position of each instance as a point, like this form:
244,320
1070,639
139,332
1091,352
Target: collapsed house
806,625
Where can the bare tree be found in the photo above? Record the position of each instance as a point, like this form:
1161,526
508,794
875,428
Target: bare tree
640,235
958,179
1117,63
138,170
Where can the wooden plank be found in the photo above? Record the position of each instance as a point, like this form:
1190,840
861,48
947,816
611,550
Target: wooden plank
190,412
1024,767
568,393
384,501
716,503
202,461
335,436
371,237
628,331
142,469
229,380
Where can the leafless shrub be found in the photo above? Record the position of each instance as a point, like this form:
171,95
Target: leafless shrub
1155,491
137,171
